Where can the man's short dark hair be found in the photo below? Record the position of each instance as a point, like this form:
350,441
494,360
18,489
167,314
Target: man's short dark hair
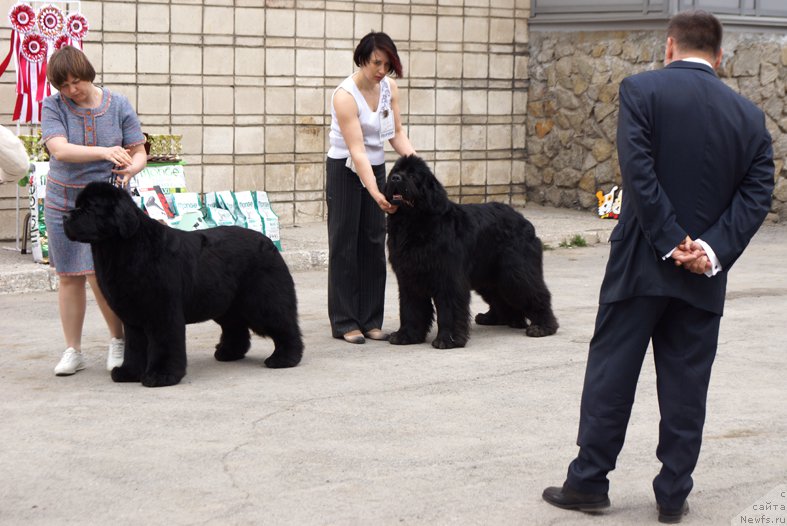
696,30
381,42
66,61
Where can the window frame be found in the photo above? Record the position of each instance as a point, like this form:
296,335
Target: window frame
647,14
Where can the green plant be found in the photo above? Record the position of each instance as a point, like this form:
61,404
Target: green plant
576,241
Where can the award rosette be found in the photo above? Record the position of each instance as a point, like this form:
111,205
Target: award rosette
35,35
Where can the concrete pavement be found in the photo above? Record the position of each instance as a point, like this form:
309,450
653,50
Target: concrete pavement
379,434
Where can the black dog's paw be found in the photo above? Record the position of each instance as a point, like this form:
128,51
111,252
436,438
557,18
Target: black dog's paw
123,374
402,338
447,342
225,353
518,324
159,379
278,361
537,331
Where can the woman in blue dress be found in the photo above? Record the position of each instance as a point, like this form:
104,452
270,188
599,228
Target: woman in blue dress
92,134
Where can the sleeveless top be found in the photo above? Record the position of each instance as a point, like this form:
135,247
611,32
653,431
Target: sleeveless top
370,122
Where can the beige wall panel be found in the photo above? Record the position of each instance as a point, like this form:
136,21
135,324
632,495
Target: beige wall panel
185,59
217,140
249,140
249,22
218,20
280,23
152,58
249,100
449,28
310,24
186,19
120,16
186,100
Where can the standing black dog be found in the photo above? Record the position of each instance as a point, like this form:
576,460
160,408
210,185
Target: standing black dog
441,250
158,279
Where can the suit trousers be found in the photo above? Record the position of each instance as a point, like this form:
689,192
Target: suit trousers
356,245
684,342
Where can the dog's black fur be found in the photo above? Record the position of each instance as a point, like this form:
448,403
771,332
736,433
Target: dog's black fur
441,250
158,279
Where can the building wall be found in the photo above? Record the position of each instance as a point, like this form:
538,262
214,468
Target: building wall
248,84
573,101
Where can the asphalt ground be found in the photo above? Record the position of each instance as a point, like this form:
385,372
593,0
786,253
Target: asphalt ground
375,433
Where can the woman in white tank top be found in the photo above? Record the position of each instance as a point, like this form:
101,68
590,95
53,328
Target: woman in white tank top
364,114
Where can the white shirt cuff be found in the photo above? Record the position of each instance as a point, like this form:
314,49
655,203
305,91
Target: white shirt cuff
715,265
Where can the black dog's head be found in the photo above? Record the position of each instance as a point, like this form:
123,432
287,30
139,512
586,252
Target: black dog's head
102,212
411,184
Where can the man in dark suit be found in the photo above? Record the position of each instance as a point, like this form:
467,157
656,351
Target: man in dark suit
697,168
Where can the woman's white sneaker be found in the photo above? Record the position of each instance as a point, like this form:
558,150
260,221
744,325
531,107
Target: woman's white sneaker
71,362
115,353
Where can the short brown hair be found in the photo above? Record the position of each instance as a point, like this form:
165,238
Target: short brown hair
696,30
377,40
66,61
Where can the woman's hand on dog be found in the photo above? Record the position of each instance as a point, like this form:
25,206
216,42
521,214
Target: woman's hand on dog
384,205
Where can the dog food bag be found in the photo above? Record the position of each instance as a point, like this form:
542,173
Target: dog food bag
227,202
166,201
269,218
186,202
171,178
191,220
245,203
209,199
189,209
215,216
39,241
153,206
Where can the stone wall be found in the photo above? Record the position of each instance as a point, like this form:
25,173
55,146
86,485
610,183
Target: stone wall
248,84
572,105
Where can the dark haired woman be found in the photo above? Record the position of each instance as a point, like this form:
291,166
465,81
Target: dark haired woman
92,134
364,114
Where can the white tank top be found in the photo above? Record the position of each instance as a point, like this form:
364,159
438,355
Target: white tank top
370,122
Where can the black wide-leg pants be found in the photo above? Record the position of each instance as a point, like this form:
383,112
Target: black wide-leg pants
684,346
356,245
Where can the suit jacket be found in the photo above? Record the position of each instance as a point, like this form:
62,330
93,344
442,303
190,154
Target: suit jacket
696,159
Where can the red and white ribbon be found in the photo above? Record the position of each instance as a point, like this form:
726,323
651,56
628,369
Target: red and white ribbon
34,37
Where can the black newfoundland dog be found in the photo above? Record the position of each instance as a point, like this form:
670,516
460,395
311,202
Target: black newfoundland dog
441,250
158,279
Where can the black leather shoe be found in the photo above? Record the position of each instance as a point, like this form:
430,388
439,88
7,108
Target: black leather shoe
570,499
673,516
